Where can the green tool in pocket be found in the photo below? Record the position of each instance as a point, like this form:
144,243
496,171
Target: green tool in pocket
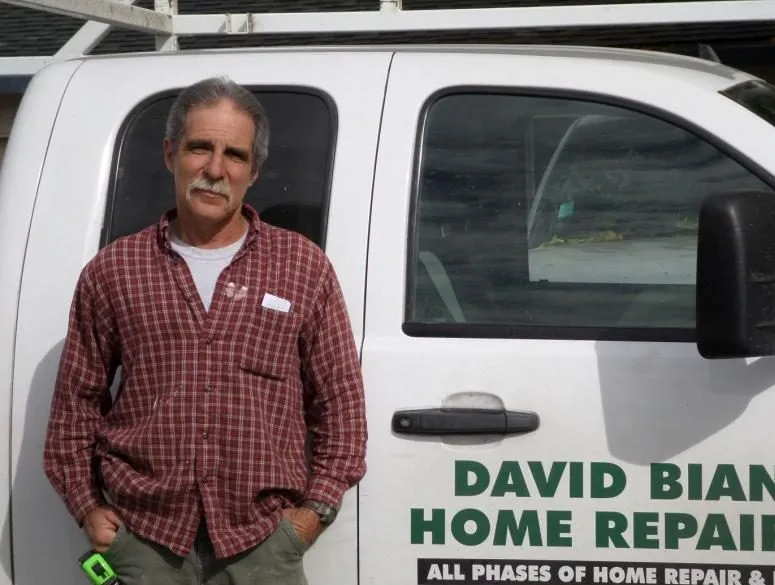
97,569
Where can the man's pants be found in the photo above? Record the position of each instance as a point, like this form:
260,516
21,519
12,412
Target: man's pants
275,561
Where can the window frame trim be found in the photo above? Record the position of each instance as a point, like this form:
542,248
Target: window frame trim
119,146
542,332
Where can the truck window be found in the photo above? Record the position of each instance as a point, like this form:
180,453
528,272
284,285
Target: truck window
291,191
555,217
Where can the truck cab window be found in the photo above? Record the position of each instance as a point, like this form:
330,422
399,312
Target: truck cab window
559,217
291,191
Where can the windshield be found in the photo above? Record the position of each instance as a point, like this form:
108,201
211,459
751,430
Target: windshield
756,96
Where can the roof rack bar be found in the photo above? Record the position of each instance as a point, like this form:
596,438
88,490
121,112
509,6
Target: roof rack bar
88,36
476,18
167,42
167,25
165,22
106,11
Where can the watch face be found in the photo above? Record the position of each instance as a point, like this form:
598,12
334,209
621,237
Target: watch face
328,516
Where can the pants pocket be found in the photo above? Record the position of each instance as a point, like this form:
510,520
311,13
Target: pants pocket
287,527
279,560
117,542
139,561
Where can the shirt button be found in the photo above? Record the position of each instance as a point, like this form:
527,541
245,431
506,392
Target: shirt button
204,435
207,388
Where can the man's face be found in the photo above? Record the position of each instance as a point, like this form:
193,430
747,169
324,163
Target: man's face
213,164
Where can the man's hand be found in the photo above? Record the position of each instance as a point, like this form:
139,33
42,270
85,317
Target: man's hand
306,523
101,525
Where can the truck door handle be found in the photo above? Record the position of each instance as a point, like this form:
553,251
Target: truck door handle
463,421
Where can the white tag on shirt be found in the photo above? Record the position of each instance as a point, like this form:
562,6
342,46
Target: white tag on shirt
276,303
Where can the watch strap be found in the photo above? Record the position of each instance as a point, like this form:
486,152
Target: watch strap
326,512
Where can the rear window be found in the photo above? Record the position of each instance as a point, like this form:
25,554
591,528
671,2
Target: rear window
292,190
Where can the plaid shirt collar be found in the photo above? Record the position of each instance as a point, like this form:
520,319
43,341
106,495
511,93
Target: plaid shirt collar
165,224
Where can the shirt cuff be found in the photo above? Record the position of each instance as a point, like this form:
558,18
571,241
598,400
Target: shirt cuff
326,490
84,501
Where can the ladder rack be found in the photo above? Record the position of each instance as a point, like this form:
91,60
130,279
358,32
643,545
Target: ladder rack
167,25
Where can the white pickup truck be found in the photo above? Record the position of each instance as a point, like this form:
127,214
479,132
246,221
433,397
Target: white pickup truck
559,264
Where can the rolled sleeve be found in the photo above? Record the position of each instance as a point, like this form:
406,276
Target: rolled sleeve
336,416
325,489
80,503
81,394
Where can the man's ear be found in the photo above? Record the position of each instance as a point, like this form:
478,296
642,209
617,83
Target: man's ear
169,154
254,177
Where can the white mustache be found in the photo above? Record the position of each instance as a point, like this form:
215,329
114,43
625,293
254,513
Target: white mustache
220,187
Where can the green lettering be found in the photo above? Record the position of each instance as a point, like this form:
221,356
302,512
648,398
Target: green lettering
506,525
664,481
716,532
768,533
558,524
577,479
760,479
644,526
419,526
746,531
547,485
609,527
725,482
510,479
695,481
678,527
481,527
463,471
598,473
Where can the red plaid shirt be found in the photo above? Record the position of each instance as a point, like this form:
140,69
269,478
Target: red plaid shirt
214,407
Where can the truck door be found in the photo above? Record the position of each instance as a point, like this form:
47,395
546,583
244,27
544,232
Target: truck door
531,288
104,177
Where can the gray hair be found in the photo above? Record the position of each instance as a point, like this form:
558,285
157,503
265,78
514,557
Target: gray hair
210,91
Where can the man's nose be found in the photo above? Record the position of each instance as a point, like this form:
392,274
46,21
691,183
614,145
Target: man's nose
214,168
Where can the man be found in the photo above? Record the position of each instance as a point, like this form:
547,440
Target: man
234,342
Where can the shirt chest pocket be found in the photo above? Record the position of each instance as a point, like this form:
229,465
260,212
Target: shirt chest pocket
270,345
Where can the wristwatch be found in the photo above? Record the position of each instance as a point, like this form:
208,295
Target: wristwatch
327,513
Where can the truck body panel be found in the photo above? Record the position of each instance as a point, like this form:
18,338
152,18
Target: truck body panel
513,228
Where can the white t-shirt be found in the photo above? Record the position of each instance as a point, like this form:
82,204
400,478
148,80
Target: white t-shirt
206,265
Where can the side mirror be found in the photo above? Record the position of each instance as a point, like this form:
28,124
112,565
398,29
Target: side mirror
736,276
